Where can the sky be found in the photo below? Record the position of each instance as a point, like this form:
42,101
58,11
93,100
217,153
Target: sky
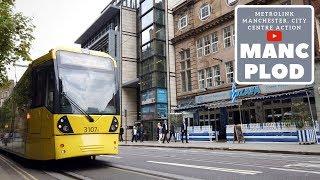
58,22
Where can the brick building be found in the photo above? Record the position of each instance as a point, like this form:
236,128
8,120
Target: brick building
316,5
204,51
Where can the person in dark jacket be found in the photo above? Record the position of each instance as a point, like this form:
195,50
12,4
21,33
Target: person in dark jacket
184,131
141,132
121,134
164,131
172,133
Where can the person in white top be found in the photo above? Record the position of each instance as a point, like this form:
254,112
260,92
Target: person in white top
134,134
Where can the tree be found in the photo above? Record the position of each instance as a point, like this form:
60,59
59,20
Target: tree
15,37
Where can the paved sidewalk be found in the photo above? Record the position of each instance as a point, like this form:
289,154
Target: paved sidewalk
284,148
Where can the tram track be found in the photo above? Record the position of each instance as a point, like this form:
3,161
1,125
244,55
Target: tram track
52,170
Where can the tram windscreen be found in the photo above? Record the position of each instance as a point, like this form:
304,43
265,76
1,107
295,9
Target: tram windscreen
89,81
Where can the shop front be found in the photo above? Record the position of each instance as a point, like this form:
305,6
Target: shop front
212,116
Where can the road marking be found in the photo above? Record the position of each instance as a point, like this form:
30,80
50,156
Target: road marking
241,154
151,172
201,160
17,168
307,165
317,162
58,176
296,170
239,171
108,156
78,176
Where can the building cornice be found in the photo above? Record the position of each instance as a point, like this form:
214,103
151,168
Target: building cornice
213,23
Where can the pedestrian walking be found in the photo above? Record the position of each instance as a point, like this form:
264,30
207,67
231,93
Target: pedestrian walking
172,134
159,131
184,131
121,134
164,131
134,134
141,132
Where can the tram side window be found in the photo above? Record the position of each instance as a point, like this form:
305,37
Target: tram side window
50,90
39,86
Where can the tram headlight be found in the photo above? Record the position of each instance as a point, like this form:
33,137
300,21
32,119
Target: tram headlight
64,125
114,125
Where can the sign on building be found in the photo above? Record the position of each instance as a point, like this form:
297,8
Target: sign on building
274,44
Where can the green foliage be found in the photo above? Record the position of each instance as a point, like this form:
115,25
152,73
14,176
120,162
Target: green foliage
15,37
300,116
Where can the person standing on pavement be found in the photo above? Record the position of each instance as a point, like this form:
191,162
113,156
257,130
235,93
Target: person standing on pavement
141,132
172,133
159,130
121,134
184,131
134,134
164,131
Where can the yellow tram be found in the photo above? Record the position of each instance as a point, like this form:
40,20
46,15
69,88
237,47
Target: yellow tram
66,105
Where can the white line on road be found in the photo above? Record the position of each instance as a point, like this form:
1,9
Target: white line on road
317,162
108,156
296,170
307,165
58,176
239,171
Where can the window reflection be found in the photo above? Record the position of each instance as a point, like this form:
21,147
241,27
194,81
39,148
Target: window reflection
145,6
147,19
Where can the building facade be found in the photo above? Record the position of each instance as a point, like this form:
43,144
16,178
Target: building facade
137,34
204,50
316,5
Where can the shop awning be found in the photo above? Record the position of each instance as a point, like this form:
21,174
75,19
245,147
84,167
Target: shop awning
224,104
280,95
189,107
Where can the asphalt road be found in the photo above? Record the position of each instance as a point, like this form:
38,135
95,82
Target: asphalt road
166,163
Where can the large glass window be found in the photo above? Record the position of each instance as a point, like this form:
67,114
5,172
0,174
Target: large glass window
160,64
147,35
159,16
160,33
87,83
146,51
159,4
185,70
200,47
206,45
209,77
153,48
146,5
156,79
147,19
153,64
205,12
160,48
201,76
183,22
227,36
229,71
214,42
216,76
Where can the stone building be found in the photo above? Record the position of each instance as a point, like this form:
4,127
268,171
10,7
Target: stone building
204,50
137,34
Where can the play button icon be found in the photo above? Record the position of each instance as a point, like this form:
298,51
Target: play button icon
274,36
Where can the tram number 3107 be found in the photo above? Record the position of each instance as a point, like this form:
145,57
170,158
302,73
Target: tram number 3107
91,129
